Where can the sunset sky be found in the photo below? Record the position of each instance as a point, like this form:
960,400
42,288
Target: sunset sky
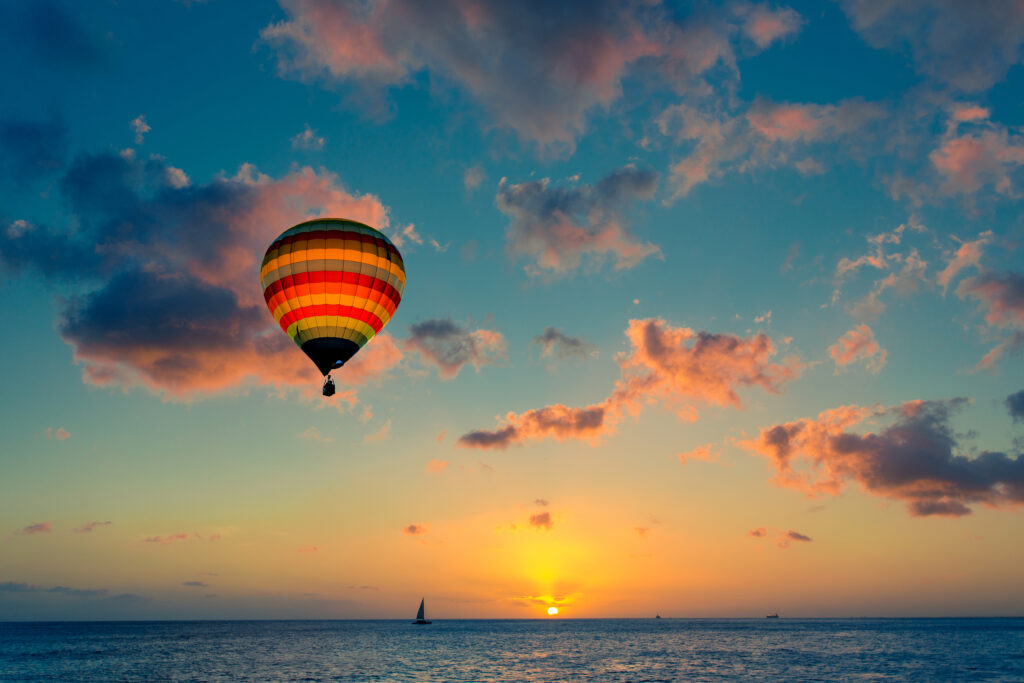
712,309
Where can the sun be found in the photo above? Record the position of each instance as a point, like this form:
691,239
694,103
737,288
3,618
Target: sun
552,611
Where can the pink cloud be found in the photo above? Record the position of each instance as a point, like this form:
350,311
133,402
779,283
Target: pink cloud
38,528
89,526
1001,296
674,367
437,466
858,344
914,459
528,69
60,434
969,254
705,453
767,135
969,162
765,25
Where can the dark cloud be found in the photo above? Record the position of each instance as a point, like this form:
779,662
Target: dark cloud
31,149
1015,405
558,226
58,36
759,532
16,587
540,501
968,45
795,536
542,520
554,344
915,459
195,584
89,526
164,294
38,528
450,346
416,529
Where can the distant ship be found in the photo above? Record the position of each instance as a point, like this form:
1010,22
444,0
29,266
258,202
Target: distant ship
419,615
772,616
657,616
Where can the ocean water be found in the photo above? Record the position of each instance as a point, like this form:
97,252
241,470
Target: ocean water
517,650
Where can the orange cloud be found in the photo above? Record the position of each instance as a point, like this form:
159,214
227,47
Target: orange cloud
542,520
416,529
437,466
858,344
705,453
675,367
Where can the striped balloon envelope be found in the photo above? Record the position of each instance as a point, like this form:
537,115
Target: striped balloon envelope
332,284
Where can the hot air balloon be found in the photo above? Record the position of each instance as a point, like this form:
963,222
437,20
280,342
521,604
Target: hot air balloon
332,284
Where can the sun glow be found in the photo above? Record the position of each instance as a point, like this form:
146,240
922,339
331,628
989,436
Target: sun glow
552,611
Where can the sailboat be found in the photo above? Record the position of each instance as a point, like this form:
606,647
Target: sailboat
419,615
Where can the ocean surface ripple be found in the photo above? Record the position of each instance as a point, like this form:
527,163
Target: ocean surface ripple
517,650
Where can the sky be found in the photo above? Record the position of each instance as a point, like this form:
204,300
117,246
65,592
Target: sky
713,309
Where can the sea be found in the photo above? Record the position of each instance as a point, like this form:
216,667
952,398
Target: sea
517,650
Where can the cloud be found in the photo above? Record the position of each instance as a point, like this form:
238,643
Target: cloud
542,520
139,128
313,434
705,453
309,549
60,434
968,254
164,540
162,280
195,584
1015,406
308,140
905,272
766,135
382,434
967,45
858,344
30,150
88,527
987,157
17,587
473,177
437,466
541,502
554,344
416,529
450,347
765,25
675,367
559,227
58,37
759,532
791,535
1001,295
914,459
528,67
38,528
